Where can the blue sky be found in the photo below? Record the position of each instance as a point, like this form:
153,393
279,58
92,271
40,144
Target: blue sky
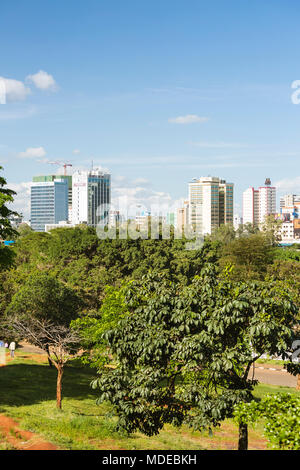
158,92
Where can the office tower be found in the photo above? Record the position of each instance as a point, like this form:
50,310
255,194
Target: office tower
91,196
49,203
251,206
259,203
210,204
47,178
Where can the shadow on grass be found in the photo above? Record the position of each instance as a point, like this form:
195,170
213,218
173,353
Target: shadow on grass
27,384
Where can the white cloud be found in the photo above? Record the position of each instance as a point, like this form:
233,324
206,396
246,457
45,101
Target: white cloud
129,194
21,202
33,152
188,119
288,185
43,81
76,151
14,90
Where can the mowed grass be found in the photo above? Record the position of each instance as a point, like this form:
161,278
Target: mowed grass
28,394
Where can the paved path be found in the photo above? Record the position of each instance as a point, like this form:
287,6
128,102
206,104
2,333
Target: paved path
273,375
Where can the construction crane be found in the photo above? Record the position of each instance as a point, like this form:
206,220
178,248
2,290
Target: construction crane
64,164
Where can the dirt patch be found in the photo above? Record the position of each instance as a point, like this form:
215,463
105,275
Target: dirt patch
20,439
226,438
10,431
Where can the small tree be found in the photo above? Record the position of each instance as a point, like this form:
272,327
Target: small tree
41,311
59,342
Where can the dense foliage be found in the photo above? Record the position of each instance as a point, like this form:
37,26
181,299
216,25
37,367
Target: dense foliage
281,414
173,331
6,230
183,353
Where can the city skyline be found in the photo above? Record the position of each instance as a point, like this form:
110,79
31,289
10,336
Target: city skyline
137,89
121,199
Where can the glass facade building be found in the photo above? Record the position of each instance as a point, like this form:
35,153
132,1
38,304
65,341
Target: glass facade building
49,203
210,204
91,197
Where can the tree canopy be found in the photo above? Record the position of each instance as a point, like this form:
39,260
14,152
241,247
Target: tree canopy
183,353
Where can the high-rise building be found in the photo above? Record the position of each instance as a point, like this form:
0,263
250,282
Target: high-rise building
47,178
259,203
49,203
251,206
91,196
267,200
210,204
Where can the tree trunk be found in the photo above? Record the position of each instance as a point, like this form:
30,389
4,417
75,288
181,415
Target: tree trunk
48,354
243,436
60,371
298,382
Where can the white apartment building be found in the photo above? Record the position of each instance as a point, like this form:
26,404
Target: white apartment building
91,197
210,204
287,231
251,206
267,202
259,203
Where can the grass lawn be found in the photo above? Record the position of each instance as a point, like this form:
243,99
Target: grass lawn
28,394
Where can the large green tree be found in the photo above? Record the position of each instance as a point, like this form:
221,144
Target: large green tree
41,312
249,255
183,354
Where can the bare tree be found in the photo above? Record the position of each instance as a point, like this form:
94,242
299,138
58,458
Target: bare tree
59,342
